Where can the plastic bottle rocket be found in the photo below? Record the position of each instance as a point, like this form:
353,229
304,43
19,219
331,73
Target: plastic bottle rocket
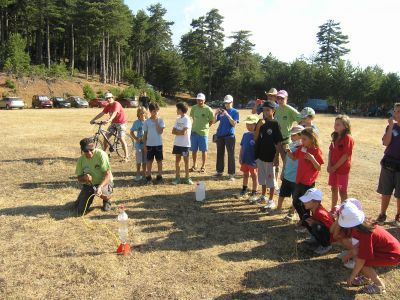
122,218
200,191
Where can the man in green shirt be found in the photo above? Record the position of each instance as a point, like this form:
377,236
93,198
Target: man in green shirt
203,117
286,117
94,172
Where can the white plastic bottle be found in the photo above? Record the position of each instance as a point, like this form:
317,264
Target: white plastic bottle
122,225
200,191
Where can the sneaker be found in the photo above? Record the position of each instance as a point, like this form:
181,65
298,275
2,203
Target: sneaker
271,204
176,181
231,177
148,179
255,200
159,179
187,180
253,197
381,219
138,178
311,240
397,220
342,254
321,250
106,206
218,174
350,264
243,194
262,200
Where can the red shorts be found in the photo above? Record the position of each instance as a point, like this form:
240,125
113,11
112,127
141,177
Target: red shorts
339,180
248,169
381,262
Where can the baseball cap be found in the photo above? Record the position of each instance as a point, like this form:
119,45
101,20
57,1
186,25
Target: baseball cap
228,99
296,129
108,95
307,111
282,93
269,104
252,119
201,96
272,92
350,215
311,194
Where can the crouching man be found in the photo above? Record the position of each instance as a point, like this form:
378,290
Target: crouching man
94,172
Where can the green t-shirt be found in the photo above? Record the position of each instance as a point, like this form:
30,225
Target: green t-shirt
95,166
286,116
201,116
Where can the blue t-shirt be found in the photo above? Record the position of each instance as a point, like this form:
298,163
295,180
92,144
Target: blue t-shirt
225,128
290,171
138,126
248,154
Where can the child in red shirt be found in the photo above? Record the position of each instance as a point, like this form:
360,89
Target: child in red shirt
320,221
339,163
376,247
310,161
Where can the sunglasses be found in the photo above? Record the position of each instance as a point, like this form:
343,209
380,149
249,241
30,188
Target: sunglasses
88,150
280,98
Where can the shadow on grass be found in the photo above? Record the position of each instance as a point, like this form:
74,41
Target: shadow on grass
40,161
56,212
302,279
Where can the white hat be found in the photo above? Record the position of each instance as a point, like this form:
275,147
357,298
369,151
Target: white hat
350,215
201,96
355,202
108,95
228,99
296,129
311,194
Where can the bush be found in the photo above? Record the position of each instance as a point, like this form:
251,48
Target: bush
130,92
10,84
88,92
57,71
17,60
134,79
116,92
100,94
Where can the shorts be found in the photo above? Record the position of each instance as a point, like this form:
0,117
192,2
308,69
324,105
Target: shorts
389,181
178,150
154,152
141,156
339,180
266,173
86,192
287,188
245,168
383,262
119,129
198,142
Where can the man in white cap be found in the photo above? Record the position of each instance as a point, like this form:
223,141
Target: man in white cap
228,118
203,118
118,121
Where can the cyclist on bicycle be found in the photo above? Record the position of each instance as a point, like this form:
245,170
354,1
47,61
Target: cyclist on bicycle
118,121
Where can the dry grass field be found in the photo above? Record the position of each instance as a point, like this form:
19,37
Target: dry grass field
222,249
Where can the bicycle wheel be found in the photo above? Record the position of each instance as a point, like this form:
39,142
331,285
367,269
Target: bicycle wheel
118,147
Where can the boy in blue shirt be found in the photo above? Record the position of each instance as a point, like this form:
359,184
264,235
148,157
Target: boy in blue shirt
247,159
141,159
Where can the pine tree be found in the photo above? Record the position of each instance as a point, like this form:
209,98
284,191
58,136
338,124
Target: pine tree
332,42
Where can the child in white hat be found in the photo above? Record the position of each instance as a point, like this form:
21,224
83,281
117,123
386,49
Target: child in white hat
320,221
376,247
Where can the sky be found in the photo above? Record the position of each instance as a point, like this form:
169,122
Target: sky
287,28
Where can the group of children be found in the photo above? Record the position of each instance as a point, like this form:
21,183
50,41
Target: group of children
366,245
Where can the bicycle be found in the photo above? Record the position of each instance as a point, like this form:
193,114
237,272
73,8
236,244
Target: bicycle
114,142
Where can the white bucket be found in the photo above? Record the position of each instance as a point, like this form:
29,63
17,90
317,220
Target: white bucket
200,191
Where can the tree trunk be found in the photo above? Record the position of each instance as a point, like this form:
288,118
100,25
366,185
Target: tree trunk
72,50
87,62
103,60
38,40
119,63
108,55
1,27
48,44
93,64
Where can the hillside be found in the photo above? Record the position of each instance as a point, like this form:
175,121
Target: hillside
28,86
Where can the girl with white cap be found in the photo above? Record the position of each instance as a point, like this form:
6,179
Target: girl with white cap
376,247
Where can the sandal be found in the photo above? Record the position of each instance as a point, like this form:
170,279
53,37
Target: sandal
193,169
372,289
360,281
202,170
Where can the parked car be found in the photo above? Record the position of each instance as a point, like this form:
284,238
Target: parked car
128,102
40,101
78,102
98,102
60,102
12,102
250,104
294,105
319,105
